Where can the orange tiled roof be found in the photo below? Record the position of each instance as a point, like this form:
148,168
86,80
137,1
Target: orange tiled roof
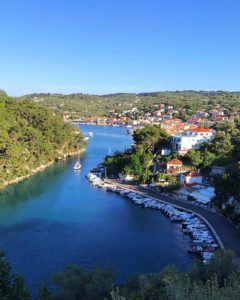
201,129
175,161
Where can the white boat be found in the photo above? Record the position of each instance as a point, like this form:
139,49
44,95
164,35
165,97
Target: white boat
90,134
77,166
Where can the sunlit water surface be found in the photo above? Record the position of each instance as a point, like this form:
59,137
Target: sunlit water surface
56,218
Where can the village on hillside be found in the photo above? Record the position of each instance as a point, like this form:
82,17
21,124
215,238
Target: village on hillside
191,186
170,118
190,123
185,136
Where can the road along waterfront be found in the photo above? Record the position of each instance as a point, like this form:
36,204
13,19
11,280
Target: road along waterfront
225,233
145,193
205,240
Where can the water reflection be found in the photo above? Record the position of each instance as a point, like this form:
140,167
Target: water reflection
30,187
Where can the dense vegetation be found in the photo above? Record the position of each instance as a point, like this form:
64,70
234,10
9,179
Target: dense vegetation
31,136
218,279
138,161
224,150
93,105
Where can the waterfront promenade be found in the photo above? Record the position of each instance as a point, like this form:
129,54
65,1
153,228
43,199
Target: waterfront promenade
226,232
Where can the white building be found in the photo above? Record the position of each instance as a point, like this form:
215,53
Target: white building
191,139
191,178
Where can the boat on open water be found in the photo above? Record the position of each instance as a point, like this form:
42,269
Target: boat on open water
77,166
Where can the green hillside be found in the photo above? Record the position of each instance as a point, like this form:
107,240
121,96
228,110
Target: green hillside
93,105
31,136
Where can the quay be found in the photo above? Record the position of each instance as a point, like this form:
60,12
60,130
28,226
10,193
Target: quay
145,193
205,240
225,233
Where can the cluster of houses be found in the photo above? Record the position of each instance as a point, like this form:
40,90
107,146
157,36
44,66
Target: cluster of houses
166,115
193,185
185,136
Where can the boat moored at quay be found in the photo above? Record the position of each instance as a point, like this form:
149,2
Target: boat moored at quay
203,243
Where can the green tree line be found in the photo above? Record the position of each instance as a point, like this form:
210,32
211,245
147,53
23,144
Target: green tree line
219,279
187,102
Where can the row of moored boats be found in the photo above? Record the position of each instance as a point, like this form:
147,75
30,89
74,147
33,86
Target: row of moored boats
203,243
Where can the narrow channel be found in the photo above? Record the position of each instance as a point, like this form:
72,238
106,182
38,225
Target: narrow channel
56,218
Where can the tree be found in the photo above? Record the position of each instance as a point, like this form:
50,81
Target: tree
151,138
208,158
31,136
139,159
74,284
12,286
195,157
220,265
222,144
133,165
43,292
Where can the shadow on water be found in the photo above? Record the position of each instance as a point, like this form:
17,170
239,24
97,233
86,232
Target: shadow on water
28,188
35,185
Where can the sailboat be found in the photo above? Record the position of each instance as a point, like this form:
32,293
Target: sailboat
77,165
109,151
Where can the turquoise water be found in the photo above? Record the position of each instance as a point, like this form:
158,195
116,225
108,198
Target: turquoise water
56,217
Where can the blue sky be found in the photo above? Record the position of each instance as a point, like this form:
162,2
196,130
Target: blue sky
103,46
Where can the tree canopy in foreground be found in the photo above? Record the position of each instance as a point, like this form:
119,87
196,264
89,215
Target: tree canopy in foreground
216,280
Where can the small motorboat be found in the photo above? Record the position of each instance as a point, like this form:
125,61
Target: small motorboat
77,166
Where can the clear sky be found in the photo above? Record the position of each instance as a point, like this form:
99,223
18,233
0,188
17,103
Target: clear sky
107,46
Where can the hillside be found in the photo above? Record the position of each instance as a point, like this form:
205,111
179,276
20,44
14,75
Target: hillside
30,137
93,105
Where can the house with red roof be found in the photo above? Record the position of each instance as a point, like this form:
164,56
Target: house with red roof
174,166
